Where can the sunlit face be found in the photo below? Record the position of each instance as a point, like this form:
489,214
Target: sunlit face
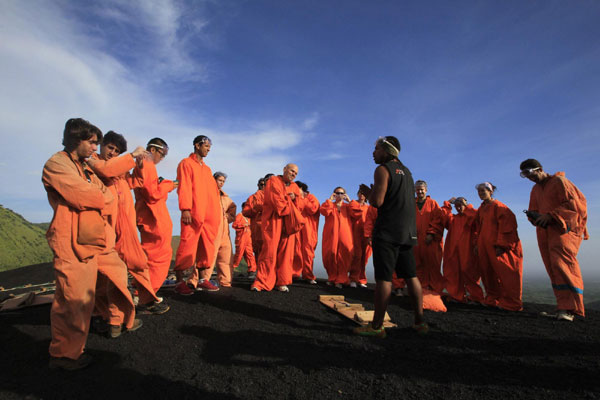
108,151
339,194
289,173
459,206
86,148
156,154
379,154
421,192
202,149
361,197
535,176
261,184
484,193
220,181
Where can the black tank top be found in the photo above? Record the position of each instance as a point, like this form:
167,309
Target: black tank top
396,217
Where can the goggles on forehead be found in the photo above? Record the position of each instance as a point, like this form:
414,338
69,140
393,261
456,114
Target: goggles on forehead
205,139
390,147
527,171
164,149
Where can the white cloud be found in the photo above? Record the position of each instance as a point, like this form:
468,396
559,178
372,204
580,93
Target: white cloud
311,121
51,70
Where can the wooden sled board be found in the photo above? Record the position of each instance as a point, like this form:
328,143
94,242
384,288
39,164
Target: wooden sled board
352,311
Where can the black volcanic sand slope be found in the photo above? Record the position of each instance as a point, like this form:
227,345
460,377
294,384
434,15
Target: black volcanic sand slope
240,344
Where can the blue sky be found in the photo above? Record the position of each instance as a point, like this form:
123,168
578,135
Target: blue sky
471,88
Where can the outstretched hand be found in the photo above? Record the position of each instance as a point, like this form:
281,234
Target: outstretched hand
366,190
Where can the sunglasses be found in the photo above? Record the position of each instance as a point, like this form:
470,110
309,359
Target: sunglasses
340,193
527,171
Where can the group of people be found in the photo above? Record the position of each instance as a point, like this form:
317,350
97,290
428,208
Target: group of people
94,236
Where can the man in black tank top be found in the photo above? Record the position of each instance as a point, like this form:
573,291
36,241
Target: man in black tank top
394,234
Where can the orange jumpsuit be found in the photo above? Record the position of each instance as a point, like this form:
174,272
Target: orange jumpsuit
460,268
76,266
429,256
223,246
277,254
243,243
198,193
560,241
154,221
362,248
496,225
114,174
308,238
253,210
337,244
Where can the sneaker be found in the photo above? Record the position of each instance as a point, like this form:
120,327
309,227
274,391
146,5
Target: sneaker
69,364
169,283
137,324
367,330
329,283
564,315
255,289
183,289
135,299
353,284
363,285
421,328
252,275
114,331
154,307
207,286
338,285
398,292
282,288
312,282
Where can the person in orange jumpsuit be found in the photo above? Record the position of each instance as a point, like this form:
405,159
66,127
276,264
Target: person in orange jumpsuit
337,246
277,255
201,219
82,240
560,227
362,248
243,243
308,236
460,268
498,251
428,251
153,219
253,210
223,242
114,169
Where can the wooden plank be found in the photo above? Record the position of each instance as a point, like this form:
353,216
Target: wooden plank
353,311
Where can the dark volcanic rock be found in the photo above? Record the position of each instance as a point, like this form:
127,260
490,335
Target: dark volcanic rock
241,344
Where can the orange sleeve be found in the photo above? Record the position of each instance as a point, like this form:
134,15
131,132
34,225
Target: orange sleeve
152,190
77,192
279,198
239,223
114,167
327,208
355,212
247,209
571,212
257,203
185,176
311,205
370,221
507,228
231,211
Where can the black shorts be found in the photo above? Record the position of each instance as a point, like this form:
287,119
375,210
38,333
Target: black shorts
389,257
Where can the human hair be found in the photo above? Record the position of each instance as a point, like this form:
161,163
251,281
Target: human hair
420,183
339,187
218,174
157,143
302,186
78,129
391,145
530,163
267,176
202,139
116,139
487,186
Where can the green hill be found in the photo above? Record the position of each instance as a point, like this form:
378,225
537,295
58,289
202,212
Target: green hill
21,242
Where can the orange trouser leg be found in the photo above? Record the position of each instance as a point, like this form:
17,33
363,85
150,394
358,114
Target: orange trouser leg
185,257
298,262
432,258
257,248
72,306
265,272
452,277
359,262
159,251
343,267
308,259
205,273
224,267
488,276
285,259
559,253
420,265
509,269
249,257
120,304
471,277
101,298
240,248
143,285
